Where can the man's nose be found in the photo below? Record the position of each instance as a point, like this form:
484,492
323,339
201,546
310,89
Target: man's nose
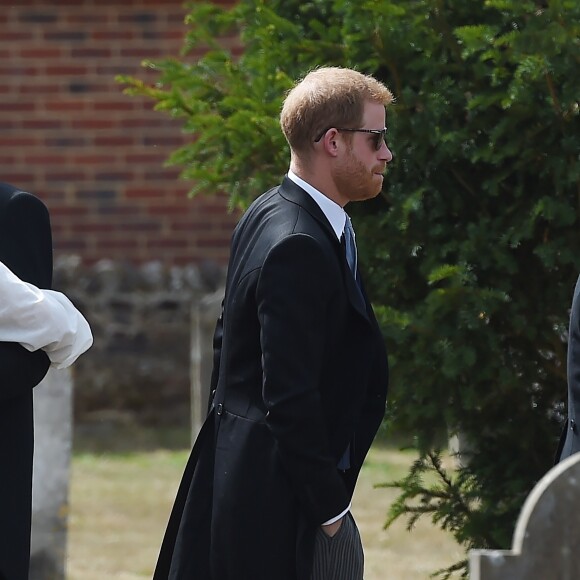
386,154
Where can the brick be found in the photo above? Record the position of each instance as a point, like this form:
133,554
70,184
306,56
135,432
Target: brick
115,210
115,141
65,105
57,229
176,34
168,5
14,71
121,105
142,226
114,175
18,141
64,176
70,245
14,106
38,89
111,70
12,36
176,17
167,243
141,52
172,140
91,18
44,158
213,243
168,210
143,192
66,35
98,124
138,17
226,225
97,194
122,244
38,124
91,53
61,70
162,174
57,211
23,180
38,17
93,227
143,123
40,52
79,87
93,159
65,141
55,193
192,227
145,158
107,34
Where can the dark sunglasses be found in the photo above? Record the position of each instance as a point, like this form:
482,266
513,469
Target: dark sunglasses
378,139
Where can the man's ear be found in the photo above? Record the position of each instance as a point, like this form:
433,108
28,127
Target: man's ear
330,142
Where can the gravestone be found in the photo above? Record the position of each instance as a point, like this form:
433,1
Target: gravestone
204,316
547,535
50,481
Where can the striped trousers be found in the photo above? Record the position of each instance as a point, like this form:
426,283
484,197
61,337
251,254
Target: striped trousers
340,557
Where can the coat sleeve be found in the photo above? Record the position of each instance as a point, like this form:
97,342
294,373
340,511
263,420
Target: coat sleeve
293,292
26,249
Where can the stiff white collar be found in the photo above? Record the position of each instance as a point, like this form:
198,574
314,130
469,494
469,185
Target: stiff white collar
333,212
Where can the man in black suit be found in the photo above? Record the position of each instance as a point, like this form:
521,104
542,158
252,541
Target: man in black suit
300,372
26,250
570,442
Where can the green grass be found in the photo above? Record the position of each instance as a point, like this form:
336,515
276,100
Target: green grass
123,485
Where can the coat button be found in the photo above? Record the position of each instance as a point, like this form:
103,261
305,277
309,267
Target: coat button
573,426
220,409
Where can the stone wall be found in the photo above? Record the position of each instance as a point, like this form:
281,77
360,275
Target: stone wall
139,365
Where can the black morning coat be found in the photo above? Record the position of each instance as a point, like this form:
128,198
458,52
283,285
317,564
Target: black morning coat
26,248
300,372
570,441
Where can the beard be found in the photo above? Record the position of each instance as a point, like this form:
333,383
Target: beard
355,181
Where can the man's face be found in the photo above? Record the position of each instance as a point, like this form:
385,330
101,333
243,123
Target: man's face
358,174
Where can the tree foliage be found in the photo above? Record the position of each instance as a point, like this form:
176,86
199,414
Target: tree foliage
472,251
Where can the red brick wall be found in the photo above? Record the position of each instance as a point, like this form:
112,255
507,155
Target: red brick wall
94,155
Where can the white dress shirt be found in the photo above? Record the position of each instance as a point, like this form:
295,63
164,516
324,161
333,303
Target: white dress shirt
42,319
337,218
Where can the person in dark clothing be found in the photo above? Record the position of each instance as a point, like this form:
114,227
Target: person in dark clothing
570,442
49,321
300,374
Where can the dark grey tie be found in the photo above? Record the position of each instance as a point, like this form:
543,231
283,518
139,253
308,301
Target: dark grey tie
351,258
350,243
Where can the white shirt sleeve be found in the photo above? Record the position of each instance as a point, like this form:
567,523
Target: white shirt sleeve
42,319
